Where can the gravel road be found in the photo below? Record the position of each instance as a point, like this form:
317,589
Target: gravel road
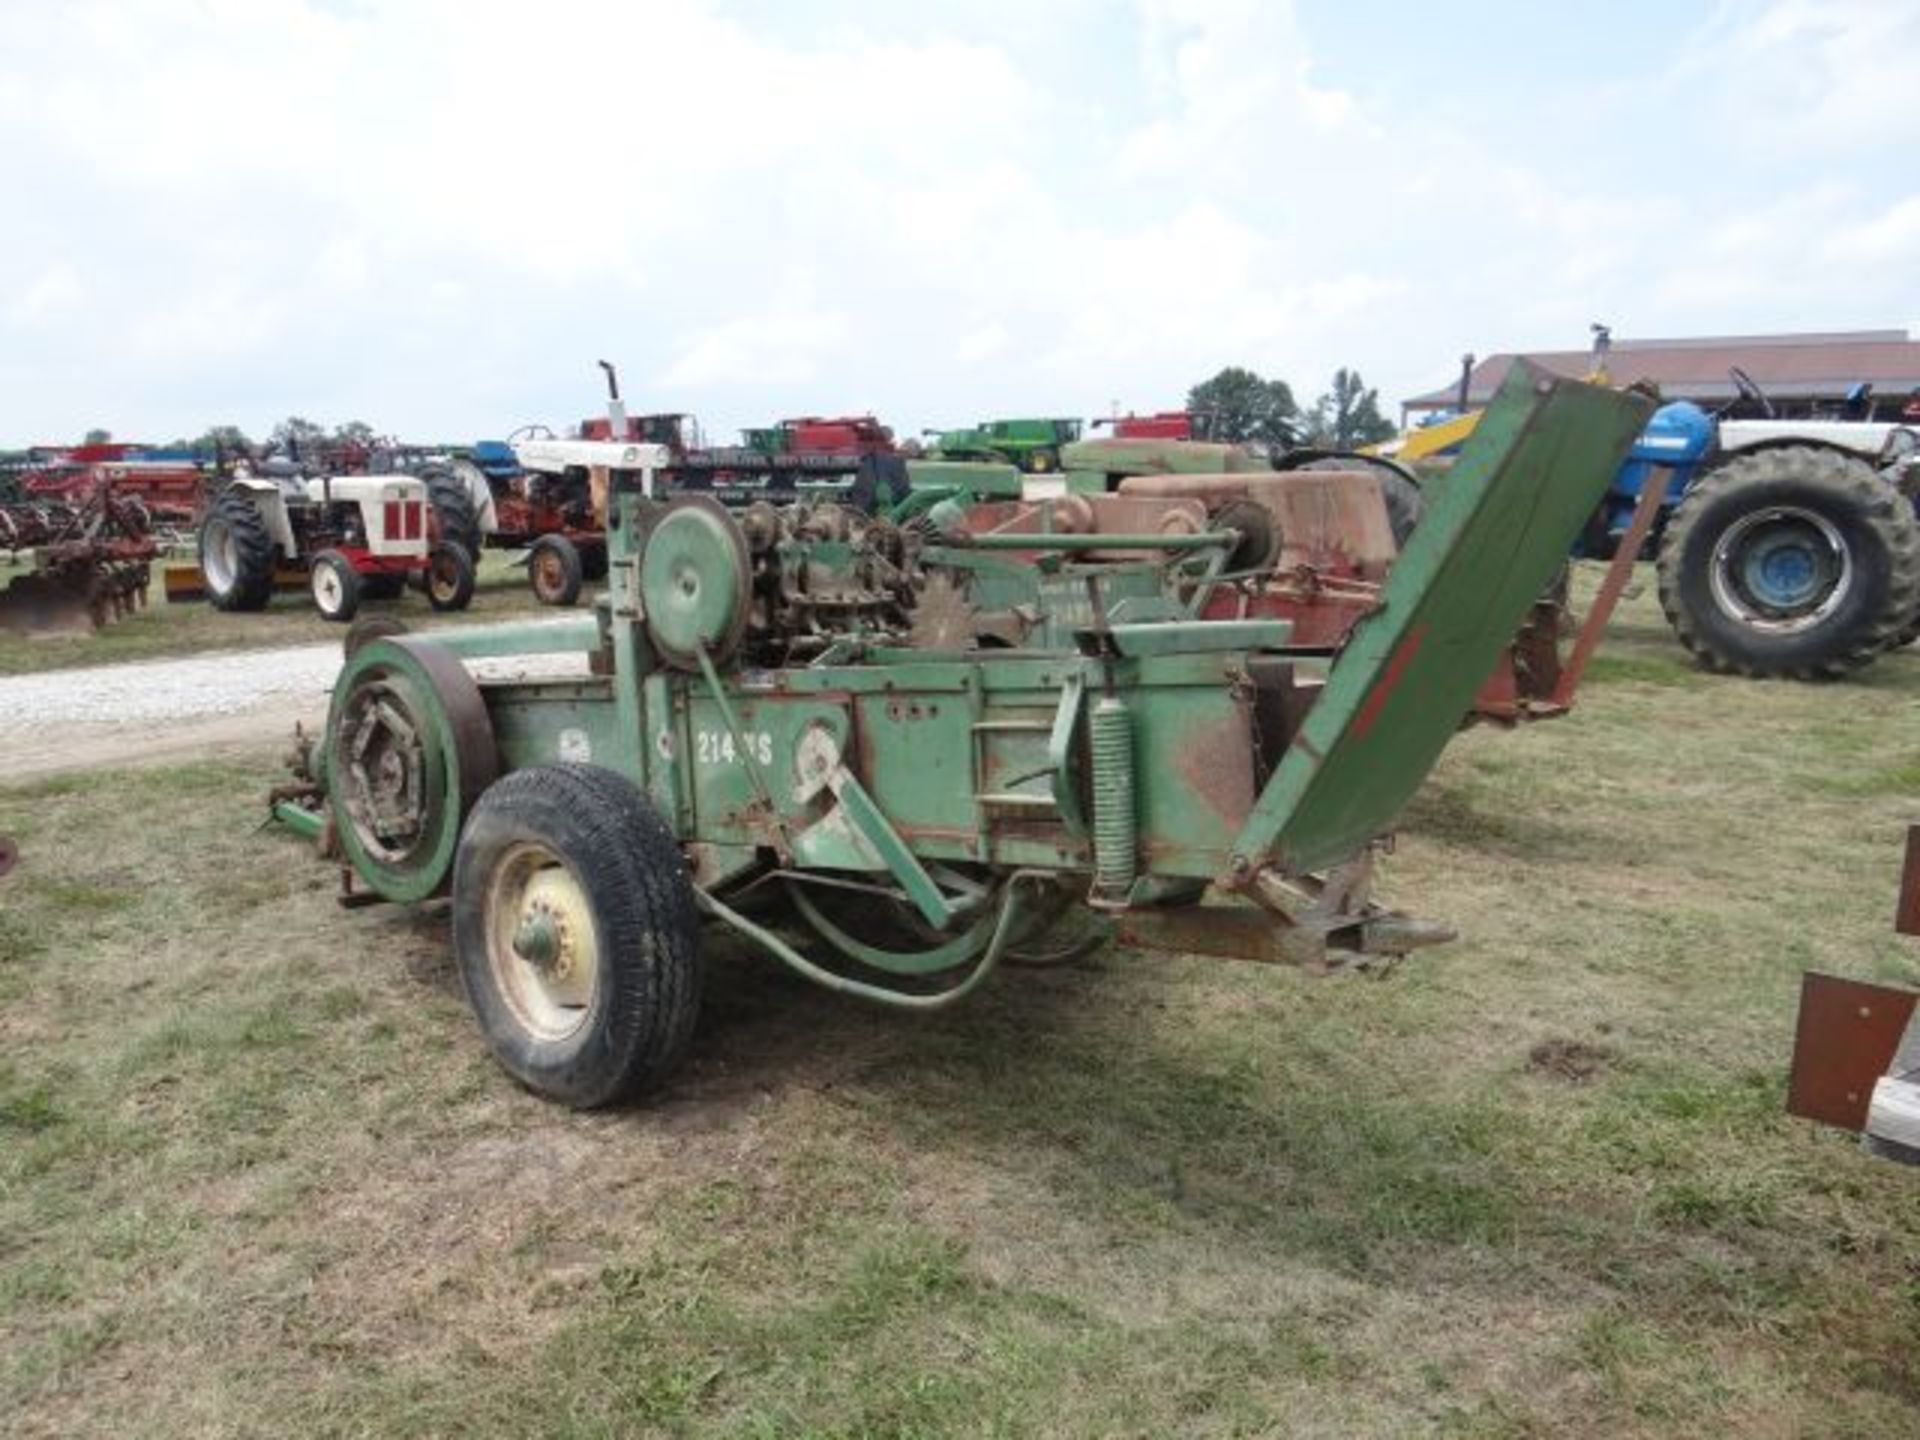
149,711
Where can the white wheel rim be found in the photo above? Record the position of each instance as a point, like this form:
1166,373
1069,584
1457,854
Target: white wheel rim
328,592
222,558
549,990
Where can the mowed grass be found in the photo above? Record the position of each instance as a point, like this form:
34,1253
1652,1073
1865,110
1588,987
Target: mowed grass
257,1174
500,593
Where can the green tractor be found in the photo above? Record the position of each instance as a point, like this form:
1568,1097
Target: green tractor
780,725
1030,445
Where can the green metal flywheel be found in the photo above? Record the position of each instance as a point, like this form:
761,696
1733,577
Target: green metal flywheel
409,748
694,582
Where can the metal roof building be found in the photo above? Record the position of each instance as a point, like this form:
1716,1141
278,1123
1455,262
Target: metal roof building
1807,372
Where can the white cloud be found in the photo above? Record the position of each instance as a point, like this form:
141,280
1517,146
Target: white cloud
435,215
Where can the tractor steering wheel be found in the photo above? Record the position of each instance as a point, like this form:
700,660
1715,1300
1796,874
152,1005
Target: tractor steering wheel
530,432
1750,391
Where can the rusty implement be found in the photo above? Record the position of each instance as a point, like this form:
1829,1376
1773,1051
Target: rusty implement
1906,915
1856,1047
91,564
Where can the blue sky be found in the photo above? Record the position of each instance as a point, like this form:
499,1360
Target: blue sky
435,216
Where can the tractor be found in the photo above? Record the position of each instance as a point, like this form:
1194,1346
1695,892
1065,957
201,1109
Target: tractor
785,722
532,491
352,537
1783,547
1030,445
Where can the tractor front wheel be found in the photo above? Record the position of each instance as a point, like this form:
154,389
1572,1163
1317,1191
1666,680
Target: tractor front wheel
1796,562
576,934
335,585
555,570
449,576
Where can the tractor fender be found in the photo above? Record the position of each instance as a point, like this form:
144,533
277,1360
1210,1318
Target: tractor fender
474,480
271,502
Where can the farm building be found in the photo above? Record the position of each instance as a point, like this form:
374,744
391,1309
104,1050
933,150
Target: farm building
1801,374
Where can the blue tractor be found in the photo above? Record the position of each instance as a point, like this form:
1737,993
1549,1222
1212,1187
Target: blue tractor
1785,547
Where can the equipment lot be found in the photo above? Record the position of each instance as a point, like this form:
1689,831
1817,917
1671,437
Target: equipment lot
254,1163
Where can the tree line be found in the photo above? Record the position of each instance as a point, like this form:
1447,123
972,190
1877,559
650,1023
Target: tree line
291,434
1244,408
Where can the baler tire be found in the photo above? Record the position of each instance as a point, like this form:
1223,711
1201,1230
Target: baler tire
1835,493
1406,506
335,585
252,557
449,576
623,864
453,510
555,571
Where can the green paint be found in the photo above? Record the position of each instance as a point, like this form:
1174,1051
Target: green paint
1492,539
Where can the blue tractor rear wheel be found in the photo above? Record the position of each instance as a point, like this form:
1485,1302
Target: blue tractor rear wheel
1797,561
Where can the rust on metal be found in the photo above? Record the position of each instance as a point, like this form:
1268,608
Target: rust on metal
1389,680
1846,1037
1652,493
1906,916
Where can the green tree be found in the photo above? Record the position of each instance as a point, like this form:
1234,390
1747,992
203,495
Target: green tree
1348,415
1243,407
296,435
354,432
222,440
97,436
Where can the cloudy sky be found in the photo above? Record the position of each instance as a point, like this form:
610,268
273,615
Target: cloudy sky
435,215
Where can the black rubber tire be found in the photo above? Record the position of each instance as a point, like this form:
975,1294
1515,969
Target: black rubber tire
383,586
449,576
332,562
234,513
628,864
369,628
1874,521
554,570
1406,506
593,561
453,509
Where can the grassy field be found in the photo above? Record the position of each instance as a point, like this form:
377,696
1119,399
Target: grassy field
257,1175
163,629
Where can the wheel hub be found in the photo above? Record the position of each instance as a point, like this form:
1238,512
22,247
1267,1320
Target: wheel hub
1782,570
541,942
385,787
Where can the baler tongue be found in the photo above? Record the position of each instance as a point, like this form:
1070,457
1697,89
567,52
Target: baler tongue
1498,526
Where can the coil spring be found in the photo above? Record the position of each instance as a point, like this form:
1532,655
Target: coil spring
1115,840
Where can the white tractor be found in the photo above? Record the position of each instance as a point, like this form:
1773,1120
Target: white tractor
355,536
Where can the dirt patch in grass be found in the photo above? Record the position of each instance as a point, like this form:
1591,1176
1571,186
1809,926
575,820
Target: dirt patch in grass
1577,1061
